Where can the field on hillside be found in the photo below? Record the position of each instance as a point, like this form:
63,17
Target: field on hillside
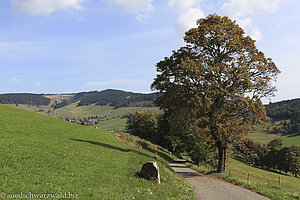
262,135
45,109
59,97
44,155
110,117
42,109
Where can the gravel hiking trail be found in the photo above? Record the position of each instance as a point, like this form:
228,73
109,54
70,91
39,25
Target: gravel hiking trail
210,188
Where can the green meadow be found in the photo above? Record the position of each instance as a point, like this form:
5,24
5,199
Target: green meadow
262,135
111,118
41,154
74,111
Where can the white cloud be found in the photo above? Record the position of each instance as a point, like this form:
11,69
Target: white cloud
44,7
38,84
182,6
188,20
242,10
256,34
15,80
277,28
142,8
248,25
93,84
189,12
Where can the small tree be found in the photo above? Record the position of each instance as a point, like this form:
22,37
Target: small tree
219,78
293,159
144,125
274,147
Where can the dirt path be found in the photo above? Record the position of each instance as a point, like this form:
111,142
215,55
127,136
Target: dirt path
209,188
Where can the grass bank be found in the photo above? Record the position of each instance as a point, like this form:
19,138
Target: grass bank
261,181
41,154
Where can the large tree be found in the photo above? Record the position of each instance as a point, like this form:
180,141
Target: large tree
218,78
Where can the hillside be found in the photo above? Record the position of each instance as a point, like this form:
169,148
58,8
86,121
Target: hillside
283,110
108,110
24,98
110,106
285,123
41,154
107,116
110,97
115,98
265,135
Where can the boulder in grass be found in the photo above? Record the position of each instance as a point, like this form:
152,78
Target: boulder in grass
150,171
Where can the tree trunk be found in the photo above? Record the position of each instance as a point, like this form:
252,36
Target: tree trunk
222,159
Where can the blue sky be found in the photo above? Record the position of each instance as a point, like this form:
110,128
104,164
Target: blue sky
59,46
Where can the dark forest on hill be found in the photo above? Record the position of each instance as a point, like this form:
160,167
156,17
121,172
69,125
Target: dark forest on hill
288,110
116,98
24,98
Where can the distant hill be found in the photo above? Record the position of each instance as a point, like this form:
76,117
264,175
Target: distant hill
110,97
289,112
24,98
283,110
115,98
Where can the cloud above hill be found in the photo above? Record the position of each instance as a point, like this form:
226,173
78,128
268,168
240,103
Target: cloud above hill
240,8
189,11
142,8
44,7
244,10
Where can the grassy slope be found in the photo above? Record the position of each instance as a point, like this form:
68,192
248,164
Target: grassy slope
75,111
261,135
40,154
241,170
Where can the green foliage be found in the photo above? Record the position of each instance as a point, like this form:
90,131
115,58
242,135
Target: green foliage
292,159
157,129
273,155
210,78
143,124
150,126
200,150
41,154
24,98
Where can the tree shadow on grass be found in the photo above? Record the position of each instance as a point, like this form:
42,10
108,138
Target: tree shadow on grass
293,135
111,147
259,167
